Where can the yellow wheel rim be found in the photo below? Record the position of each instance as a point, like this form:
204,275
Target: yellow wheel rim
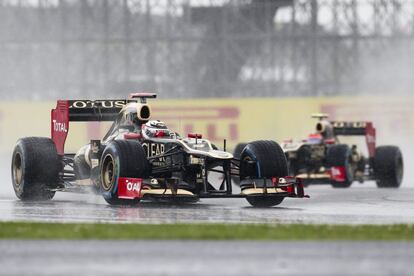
108,173
17,169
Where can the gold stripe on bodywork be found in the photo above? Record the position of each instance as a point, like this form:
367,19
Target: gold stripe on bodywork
165,192
251,191
313,175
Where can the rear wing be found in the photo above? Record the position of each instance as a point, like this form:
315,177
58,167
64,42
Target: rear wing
94,111
86,111
357,128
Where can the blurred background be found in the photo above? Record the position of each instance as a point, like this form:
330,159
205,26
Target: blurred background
205,48
241,70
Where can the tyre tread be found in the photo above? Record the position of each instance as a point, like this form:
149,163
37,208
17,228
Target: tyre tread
385,166
42,167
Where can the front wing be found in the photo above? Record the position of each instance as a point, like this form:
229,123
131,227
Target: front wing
138,188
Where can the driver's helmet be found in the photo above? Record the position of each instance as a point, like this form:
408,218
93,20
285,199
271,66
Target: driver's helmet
156,129
314,138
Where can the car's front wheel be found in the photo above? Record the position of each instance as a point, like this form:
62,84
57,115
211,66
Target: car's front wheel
269,161
340,156
121,158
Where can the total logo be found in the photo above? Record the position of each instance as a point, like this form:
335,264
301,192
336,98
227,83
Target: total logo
59,127
133,186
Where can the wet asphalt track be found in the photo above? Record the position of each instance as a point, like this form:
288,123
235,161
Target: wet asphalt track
361,204
205,258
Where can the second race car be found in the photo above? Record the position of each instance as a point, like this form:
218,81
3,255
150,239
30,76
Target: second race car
322,158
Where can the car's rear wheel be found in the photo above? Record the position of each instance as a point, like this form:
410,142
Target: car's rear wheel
270,161
340,156
35,168
388,167
121,158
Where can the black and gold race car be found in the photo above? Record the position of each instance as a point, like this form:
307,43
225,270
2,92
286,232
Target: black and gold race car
141,159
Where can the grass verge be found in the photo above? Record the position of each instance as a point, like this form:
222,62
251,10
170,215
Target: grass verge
68,231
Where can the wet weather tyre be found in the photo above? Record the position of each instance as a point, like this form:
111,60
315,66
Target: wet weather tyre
340,156
270,161
35,168
388,167
237,153
121,158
